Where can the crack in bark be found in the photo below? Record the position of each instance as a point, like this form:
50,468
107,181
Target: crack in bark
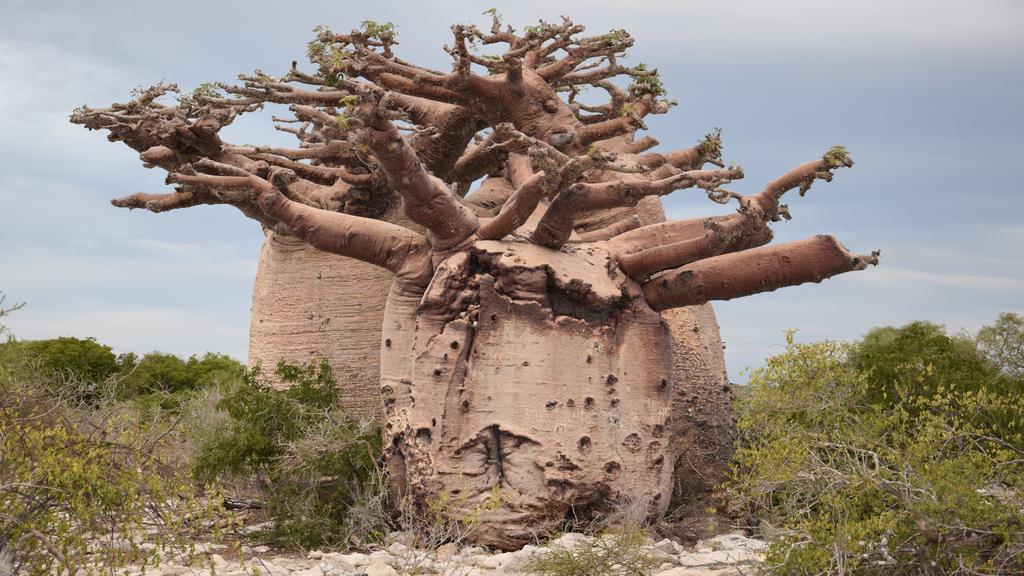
499,457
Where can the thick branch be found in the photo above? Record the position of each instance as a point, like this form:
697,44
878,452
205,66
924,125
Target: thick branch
518,209
654,235
556,225
730,234
383,244
449,129
490,196
488,156
159,202
612,230
427,201
800,177
753,271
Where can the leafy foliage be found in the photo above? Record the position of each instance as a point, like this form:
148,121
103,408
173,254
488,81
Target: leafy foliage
647,85
901,454
89,361
1003,343
315,462
384,32
613,553
156,380
166,381
77,482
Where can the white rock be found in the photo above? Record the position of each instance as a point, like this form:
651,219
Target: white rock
571,540
315,571
255,527
355,558
488,561
687,572
472,551
717,558
315,555
333,562
729,541
668,547
380,569
380,556
268,568
659,556
513,562
445,552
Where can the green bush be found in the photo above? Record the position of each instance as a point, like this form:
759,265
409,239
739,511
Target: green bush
83,361
78,484
1003,343
156,380
622,552
314,462
166,382
901,454
87,359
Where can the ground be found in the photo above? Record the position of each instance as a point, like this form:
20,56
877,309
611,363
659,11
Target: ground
723,555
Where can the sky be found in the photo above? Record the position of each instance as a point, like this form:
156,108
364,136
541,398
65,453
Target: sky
928,96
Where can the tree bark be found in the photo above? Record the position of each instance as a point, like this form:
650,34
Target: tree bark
702,424
308,304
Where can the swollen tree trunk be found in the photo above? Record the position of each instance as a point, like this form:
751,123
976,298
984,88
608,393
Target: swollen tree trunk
309,305
556,399
702,425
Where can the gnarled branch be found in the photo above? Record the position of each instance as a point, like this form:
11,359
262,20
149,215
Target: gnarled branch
753,271
556,225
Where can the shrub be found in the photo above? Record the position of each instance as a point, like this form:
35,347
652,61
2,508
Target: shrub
82,360
890,358
166,382
77,485
1003,343
622,552
902,454
315,464
157,380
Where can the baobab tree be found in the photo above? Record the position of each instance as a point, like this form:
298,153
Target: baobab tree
527,372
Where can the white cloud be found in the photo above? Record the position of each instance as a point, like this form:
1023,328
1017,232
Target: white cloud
180,282
40,84
841,32
138,329
158,265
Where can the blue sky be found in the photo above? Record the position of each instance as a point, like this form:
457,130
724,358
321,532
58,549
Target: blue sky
928,95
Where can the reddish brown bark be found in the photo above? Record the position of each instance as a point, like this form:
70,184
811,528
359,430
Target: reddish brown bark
526,349
753,271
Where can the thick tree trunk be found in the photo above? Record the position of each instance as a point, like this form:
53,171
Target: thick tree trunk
308,304
543,398
702,426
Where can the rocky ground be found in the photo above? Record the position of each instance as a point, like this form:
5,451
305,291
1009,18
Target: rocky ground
725,554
